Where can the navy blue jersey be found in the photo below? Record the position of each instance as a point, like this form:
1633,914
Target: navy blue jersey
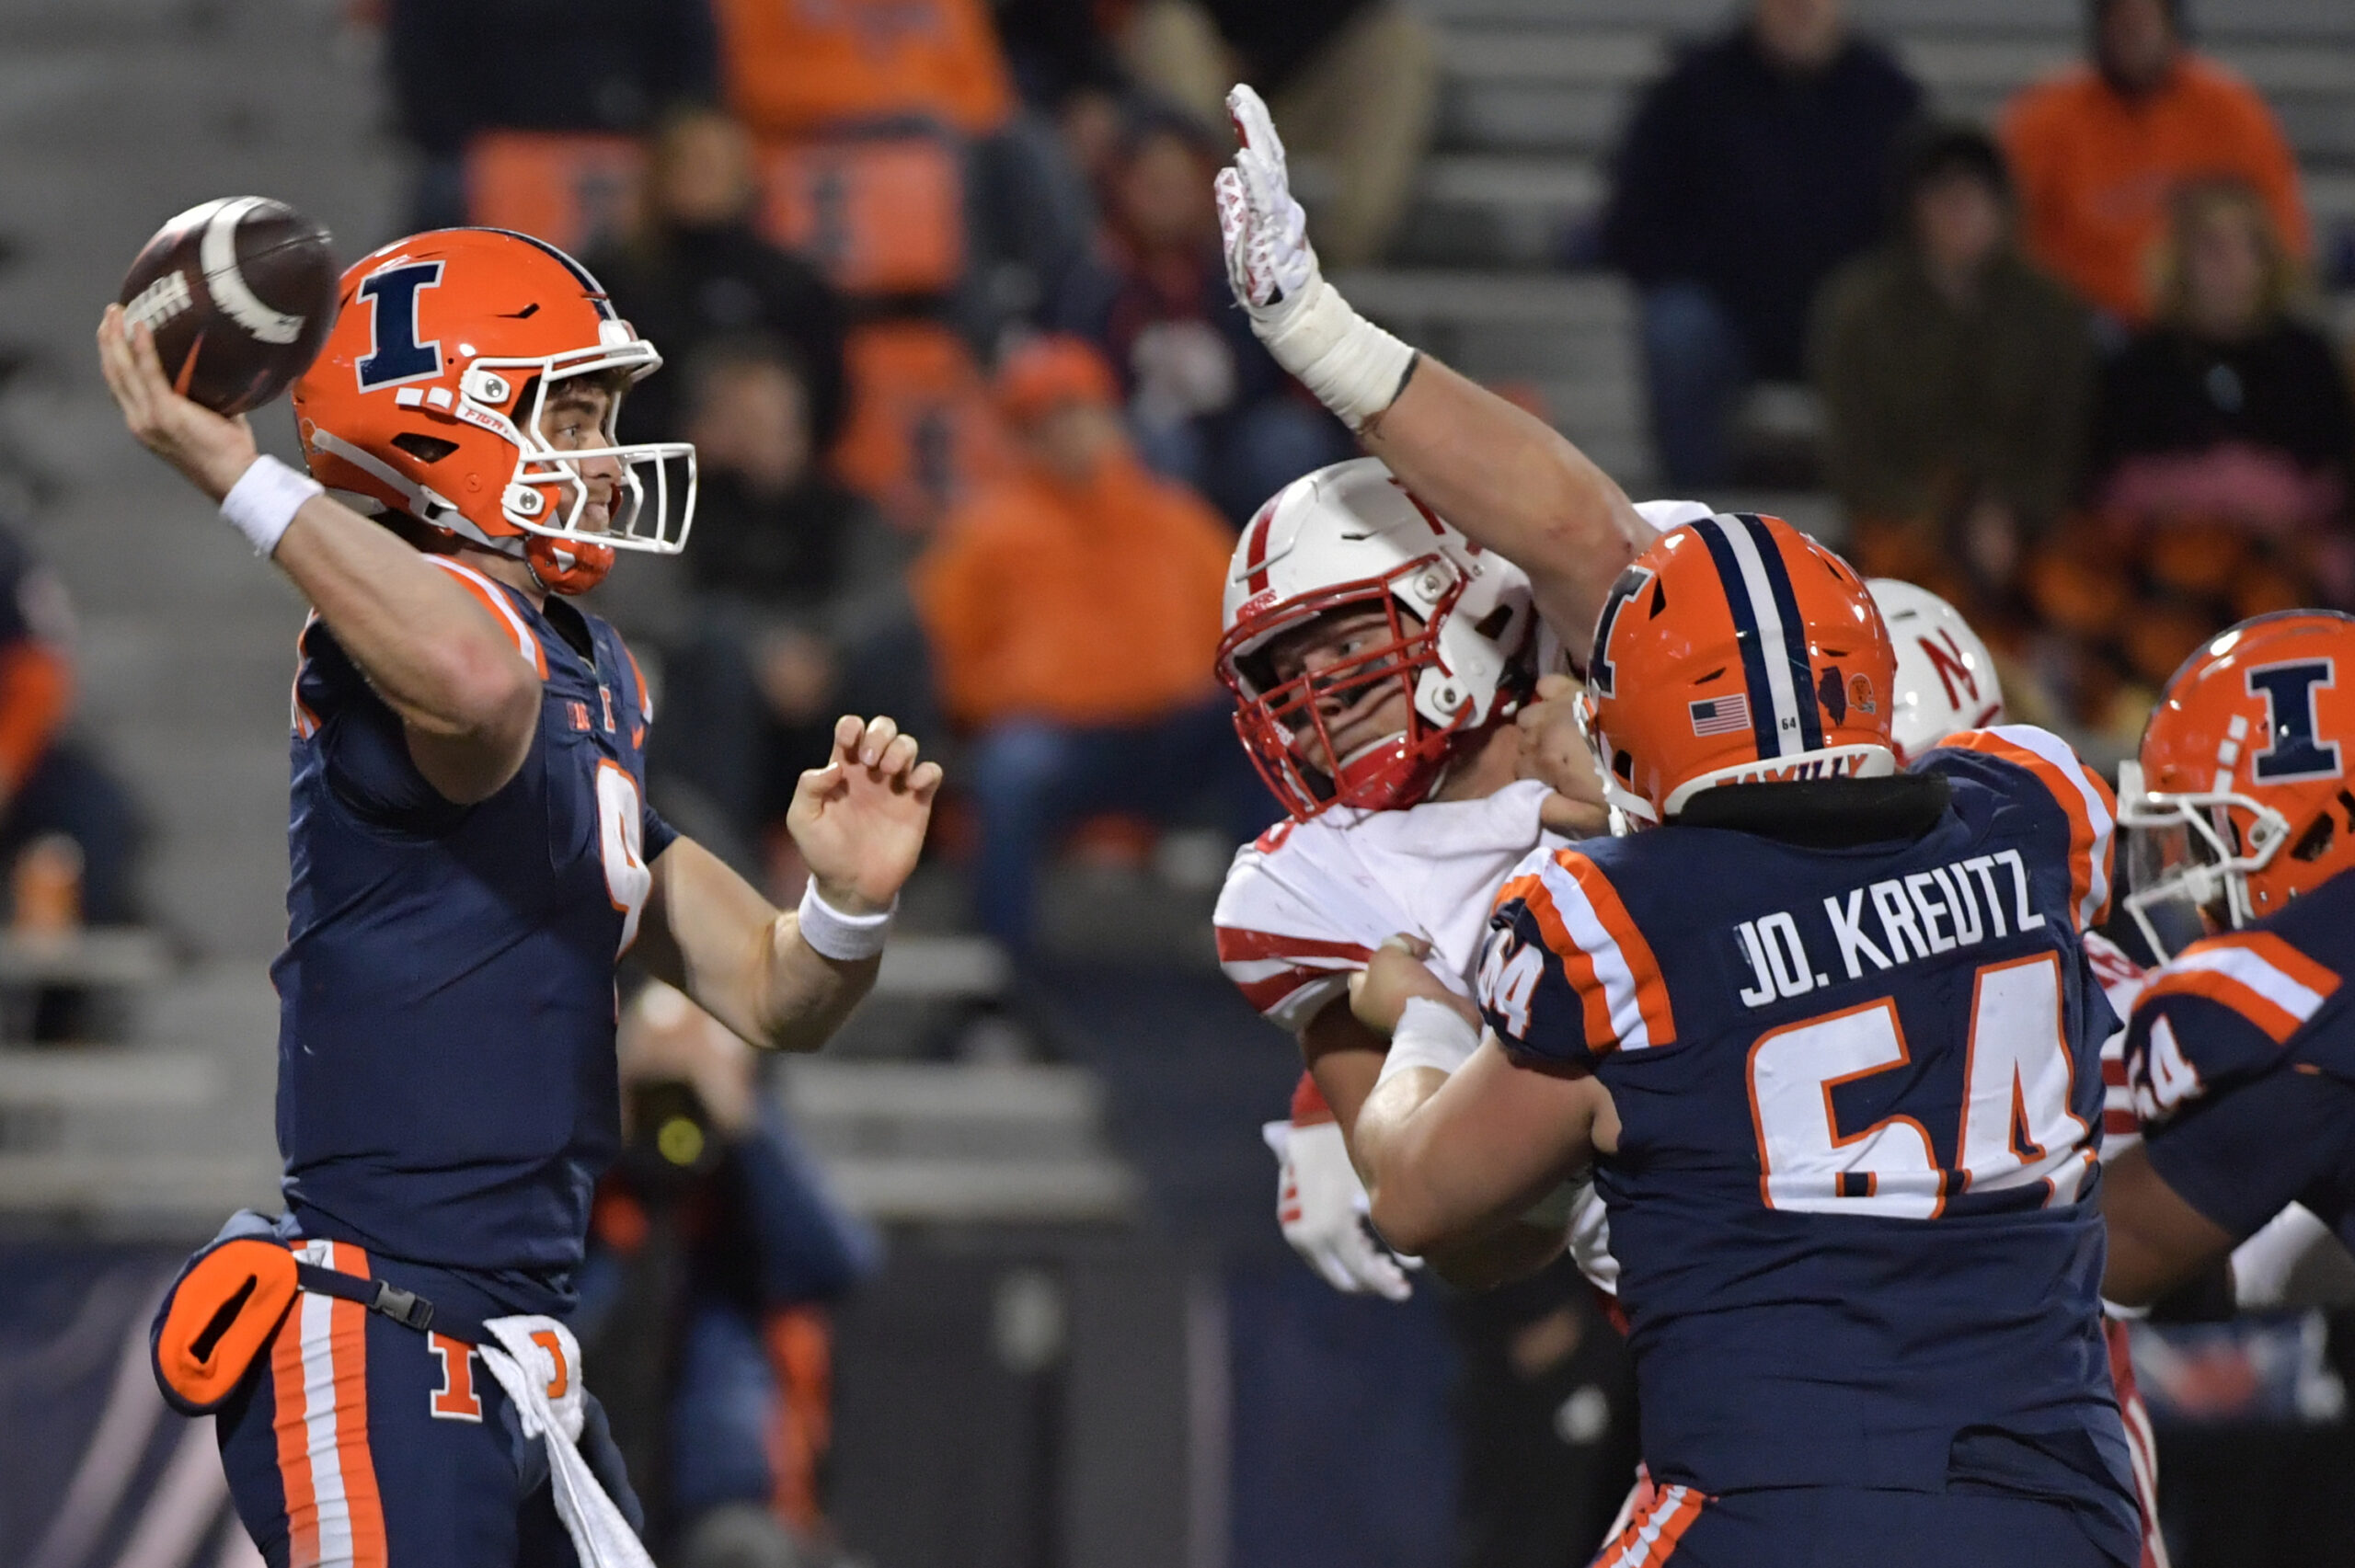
1860,1099
446,1088
2241,1061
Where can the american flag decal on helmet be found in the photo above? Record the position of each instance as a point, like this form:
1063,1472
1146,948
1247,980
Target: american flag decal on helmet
1720,715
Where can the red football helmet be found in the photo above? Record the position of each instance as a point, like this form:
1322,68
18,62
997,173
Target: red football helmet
2240,801
427,399
1454,635
1736,650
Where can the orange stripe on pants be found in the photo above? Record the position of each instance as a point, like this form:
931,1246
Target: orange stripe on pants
1650,1538
335,1514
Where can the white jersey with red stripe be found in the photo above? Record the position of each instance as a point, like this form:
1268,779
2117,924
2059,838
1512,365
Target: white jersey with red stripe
2122,980
1304,906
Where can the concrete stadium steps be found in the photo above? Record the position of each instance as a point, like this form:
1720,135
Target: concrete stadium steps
2322,19
161,1137
936,1143
115,114
1535,94
1567,87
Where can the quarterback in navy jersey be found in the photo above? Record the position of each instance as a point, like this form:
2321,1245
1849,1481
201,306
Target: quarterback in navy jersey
2240,1057
1828,1034
473,854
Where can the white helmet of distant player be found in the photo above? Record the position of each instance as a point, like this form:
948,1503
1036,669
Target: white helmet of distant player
1350,538
1945,678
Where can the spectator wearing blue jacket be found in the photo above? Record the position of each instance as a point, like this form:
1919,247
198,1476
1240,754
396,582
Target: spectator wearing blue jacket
1750,172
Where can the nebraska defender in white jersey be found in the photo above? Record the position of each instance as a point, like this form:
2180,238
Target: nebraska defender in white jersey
1362,627
1304,906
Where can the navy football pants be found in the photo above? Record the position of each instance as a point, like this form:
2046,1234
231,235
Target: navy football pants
1831,1526
357,1441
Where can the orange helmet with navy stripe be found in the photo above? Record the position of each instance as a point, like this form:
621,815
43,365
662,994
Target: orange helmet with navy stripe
427,397
1736,650
2241,798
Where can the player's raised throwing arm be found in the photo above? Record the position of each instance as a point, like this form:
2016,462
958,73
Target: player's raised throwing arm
1502,475
787,981
470,706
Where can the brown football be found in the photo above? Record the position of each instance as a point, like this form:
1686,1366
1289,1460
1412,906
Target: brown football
240,294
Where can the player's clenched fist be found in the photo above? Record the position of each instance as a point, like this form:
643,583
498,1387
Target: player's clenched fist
1395,975
860,820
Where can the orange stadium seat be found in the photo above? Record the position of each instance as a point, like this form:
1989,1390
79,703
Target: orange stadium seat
879,214
569,188
801,69
923,431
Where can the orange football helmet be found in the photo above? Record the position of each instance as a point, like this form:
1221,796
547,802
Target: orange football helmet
427,398
2240,800
1736,650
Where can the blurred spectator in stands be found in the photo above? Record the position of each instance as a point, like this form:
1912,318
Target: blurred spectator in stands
2220,460
1749,171
799,71
792,608
2098,148
695,271
1073,611
1058,48
1207,404
2228,406
1353,86
1955,377
69,836
461,66
713,1246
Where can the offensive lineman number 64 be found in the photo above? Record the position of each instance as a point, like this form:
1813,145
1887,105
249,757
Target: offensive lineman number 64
2017,1124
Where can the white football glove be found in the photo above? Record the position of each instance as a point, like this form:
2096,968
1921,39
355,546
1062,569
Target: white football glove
1354,368
1321,1205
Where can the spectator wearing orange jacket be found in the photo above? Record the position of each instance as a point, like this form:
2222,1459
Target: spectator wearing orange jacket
1073,613
2099,151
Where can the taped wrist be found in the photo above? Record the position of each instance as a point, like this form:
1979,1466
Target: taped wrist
262,503
1429,1033
844,938
1355,368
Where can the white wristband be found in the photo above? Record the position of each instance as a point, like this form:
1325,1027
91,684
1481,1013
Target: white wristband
262,503
834,934
1354,367
1429,1033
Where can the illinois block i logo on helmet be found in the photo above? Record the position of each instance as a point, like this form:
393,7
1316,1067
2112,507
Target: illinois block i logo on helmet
427,402
2240,800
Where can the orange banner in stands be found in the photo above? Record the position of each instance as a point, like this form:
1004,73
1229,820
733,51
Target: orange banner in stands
923,431
573,192
882,215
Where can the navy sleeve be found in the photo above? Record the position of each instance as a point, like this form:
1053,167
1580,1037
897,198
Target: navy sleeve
2239,1155
362,743
655,835
1525,995
1566,978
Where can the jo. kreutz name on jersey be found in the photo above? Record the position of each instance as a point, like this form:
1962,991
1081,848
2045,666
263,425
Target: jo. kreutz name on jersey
1960,904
